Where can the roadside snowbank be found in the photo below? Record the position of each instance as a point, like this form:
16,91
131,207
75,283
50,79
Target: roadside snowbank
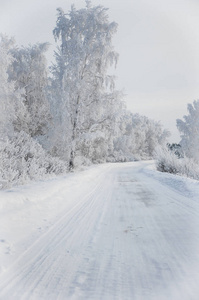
186,186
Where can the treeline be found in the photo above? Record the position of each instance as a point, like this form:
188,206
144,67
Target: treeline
52,120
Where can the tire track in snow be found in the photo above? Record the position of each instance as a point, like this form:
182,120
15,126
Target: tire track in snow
130,237
73,227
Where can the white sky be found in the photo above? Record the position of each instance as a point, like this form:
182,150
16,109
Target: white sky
158,43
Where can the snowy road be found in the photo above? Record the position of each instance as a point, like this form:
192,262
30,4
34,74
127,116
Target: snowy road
115,231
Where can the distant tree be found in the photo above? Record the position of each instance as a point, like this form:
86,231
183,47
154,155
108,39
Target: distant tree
155,135
176,149
85,99
139,136
189,129
28,71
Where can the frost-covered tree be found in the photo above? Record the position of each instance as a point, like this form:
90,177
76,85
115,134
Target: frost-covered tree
21,157
29,73
183,158
155,135
8,98
189,129
81,80
138,137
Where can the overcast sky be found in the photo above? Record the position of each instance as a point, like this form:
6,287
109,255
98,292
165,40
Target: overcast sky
157,40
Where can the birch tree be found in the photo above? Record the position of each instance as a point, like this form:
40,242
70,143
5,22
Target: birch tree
81,72
29,73
9,99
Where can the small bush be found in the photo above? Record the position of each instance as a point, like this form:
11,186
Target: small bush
168,161
23,159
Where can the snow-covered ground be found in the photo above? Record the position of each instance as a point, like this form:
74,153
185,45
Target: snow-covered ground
113,231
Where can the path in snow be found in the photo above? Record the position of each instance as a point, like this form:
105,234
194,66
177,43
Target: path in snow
129,233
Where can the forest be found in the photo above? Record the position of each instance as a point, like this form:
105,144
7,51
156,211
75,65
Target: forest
54,119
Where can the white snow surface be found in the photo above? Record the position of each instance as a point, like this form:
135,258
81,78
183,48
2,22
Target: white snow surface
112,231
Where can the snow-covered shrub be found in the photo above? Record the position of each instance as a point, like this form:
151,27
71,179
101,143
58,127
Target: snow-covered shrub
189,168
81,161
183,158
168,161
23,159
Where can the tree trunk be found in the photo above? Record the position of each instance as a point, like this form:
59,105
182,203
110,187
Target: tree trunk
72,154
